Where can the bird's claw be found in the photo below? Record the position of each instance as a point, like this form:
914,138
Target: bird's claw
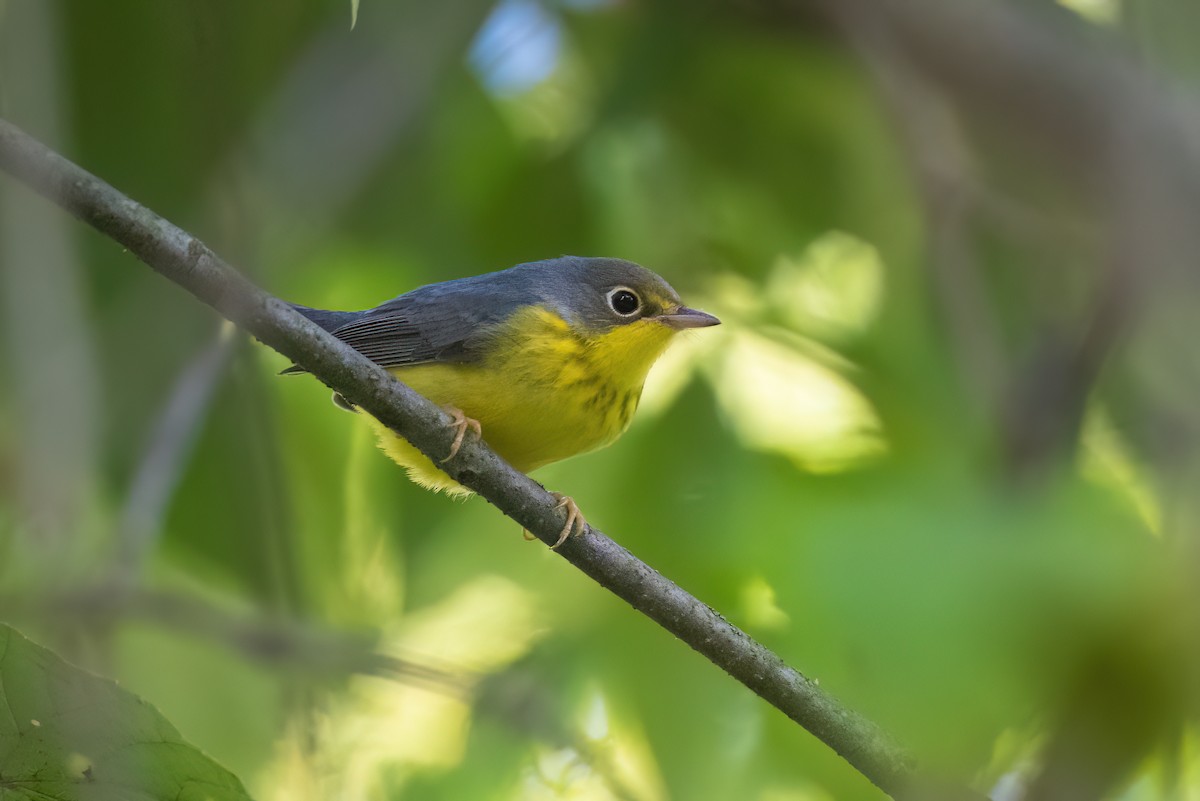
460,423
574,518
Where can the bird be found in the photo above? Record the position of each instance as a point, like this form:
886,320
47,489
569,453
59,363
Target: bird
544,361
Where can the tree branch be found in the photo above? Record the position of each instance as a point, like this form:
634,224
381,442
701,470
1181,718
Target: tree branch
186,261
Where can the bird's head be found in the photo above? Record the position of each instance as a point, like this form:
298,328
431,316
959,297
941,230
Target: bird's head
599,295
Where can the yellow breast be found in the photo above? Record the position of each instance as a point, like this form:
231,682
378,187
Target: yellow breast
543,392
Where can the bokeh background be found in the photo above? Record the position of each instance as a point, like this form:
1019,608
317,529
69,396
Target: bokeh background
941,456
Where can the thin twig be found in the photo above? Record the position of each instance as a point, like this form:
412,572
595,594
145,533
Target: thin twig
268,640
169,447
185,260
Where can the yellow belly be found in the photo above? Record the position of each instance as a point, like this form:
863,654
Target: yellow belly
544,395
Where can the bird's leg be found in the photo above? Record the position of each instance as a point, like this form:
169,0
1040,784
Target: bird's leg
460,423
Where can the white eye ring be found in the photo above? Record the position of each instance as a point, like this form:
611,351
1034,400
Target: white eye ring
613,297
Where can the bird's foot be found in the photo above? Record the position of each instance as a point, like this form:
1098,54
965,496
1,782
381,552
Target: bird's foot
574,521
574,518
460,423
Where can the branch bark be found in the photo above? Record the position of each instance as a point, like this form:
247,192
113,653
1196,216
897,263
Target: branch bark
186,261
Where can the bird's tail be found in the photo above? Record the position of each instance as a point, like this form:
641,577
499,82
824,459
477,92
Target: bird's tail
329,320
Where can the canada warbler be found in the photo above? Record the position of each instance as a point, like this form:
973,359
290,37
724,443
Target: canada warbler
546,359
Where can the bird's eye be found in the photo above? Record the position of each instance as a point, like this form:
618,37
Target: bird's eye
624,301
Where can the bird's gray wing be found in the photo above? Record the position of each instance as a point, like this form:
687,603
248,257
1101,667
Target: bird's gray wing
398,337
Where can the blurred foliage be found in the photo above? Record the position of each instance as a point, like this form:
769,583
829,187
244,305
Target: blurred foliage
831,469
70,735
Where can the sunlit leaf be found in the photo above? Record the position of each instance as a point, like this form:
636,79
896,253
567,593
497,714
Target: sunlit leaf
759,606
833,289
71,736
1106,459
1100,12
780,401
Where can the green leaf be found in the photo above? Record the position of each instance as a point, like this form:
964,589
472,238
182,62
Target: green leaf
67,735
353,13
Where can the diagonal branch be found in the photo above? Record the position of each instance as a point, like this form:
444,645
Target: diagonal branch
185,260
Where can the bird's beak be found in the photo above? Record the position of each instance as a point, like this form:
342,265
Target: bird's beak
683,317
